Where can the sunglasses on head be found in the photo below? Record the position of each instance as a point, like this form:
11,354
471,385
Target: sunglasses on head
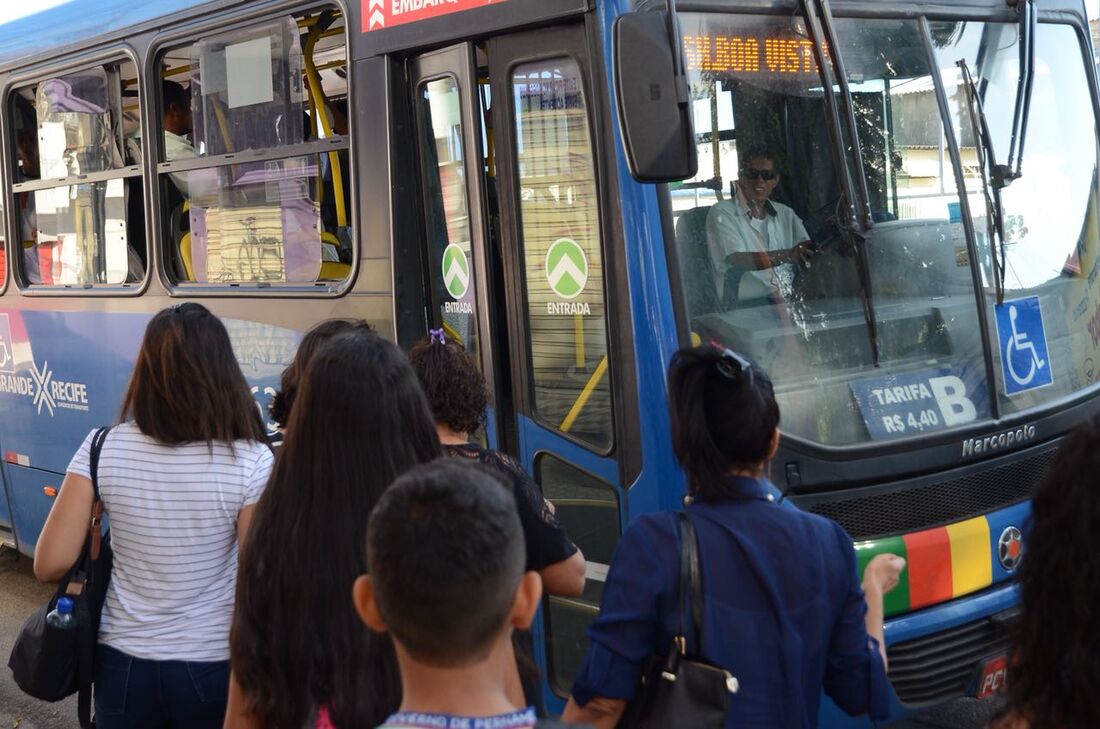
752,174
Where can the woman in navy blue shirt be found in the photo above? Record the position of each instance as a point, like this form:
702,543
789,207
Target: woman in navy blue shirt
784,609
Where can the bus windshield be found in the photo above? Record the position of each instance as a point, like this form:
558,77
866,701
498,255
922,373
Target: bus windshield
768,269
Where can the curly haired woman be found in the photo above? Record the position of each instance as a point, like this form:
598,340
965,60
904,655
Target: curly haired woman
458,397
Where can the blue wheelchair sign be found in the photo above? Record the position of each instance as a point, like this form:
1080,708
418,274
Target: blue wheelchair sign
1025,362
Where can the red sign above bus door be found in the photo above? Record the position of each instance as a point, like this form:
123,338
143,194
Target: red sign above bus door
379,14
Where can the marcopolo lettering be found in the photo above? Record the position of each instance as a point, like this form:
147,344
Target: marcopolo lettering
999,441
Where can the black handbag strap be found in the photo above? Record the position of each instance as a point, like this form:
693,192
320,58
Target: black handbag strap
93,457
691,585
88,638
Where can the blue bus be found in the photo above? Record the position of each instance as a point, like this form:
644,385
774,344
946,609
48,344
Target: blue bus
545,179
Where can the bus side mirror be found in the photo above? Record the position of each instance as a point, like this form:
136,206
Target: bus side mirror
653,99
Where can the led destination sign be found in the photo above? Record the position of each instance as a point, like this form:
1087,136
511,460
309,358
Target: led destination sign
750,54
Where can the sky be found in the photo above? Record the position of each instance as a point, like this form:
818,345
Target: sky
13,11
1093,8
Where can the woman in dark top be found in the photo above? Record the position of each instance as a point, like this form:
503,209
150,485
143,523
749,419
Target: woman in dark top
784,610
456,392
458,397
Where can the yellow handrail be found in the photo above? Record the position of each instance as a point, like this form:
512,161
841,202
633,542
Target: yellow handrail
586,393
320,103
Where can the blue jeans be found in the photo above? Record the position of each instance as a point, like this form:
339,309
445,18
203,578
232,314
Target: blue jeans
133,693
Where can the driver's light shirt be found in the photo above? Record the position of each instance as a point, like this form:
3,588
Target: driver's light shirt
731,229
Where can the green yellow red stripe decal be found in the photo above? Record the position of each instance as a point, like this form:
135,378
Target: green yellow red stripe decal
942,563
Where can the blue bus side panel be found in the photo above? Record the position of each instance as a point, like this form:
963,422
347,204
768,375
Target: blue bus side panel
29,502
64,376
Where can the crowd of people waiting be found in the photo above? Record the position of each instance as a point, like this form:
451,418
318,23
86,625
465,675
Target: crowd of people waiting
381,568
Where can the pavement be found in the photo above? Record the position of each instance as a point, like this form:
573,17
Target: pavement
20,594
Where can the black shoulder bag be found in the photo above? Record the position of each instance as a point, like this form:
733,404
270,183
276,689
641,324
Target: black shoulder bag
681,689
51,663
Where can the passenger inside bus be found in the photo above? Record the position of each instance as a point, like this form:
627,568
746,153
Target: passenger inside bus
176,123
275,220
755,242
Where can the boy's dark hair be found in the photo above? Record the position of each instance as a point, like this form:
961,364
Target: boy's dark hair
452,382
445,554
723,413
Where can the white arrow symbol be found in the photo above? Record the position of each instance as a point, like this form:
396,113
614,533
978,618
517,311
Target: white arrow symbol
455,271
567,267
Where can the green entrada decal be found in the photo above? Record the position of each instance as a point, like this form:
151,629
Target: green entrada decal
456,271
566,268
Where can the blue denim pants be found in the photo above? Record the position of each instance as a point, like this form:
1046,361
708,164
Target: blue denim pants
133,693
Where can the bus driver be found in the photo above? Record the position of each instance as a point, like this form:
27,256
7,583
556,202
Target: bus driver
753,241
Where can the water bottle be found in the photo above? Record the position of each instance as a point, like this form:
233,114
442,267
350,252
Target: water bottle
62,614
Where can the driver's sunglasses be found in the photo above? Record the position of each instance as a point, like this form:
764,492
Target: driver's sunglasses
759,174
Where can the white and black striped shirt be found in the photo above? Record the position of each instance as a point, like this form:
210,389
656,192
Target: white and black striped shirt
173,517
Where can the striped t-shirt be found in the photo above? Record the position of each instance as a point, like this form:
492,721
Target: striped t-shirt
173,517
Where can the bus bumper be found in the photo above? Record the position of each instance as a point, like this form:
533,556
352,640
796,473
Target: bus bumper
976,609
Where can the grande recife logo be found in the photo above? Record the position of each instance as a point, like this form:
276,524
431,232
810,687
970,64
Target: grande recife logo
380,14
22,376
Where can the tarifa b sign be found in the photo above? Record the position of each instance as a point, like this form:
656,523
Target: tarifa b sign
380,14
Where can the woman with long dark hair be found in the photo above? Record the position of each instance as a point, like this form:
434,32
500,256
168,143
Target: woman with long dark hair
301,656
179,476
1053,671
783,606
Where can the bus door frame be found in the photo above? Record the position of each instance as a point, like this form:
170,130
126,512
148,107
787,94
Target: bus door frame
458,63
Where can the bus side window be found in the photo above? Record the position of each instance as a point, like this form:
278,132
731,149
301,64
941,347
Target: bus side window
280,219
80,228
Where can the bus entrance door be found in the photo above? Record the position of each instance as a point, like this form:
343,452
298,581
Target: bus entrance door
516,256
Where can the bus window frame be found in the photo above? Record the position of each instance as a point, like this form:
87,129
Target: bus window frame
939,450
219,23
114,53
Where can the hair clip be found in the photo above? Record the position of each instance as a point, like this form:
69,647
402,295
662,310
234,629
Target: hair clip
731,365
436,336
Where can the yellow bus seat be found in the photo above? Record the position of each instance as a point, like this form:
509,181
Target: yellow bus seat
185,255
334,271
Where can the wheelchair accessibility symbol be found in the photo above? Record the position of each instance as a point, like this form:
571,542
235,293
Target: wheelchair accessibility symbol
1025,362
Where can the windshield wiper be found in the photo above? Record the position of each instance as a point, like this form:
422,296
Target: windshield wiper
1024,84
824,38
995,176
991,188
